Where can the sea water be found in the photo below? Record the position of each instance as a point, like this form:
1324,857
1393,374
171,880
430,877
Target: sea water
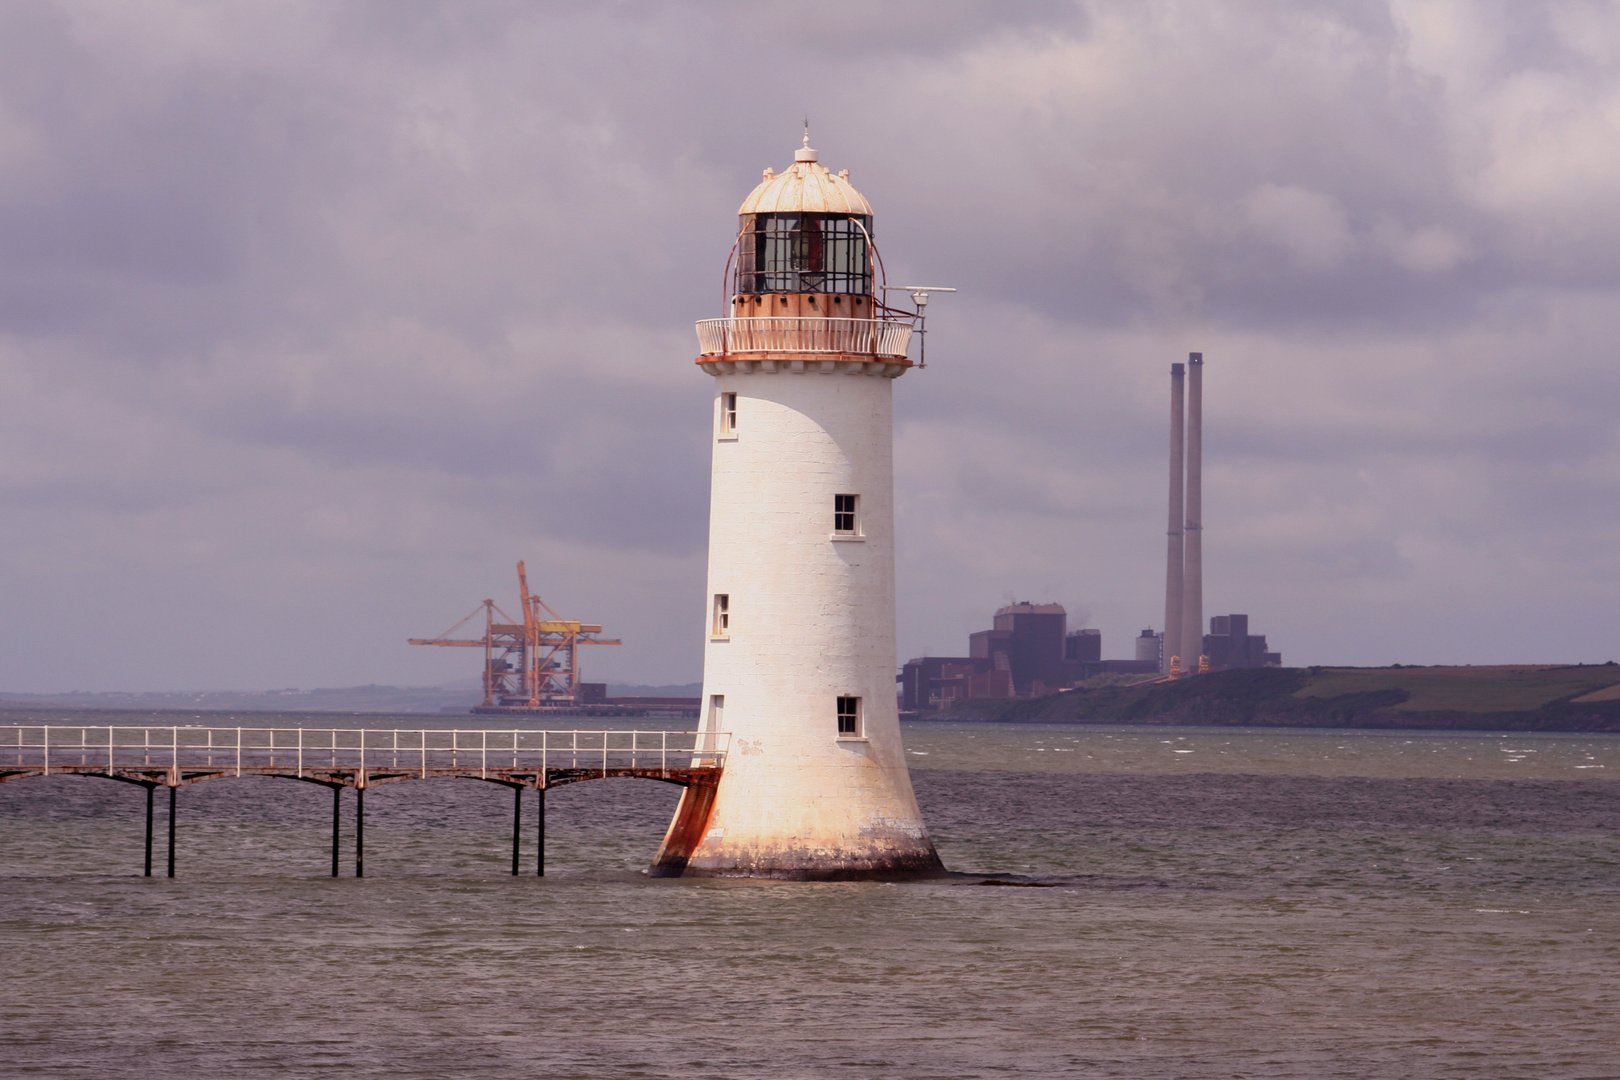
1126,902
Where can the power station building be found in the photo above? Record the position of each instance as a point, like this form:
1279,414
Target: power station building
1230,645
1028,651
1227,645
1027,641
799,625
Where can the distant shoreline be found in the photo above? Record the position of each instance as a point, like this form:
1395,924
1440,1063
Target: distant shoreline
1527,698
454,700
1579,698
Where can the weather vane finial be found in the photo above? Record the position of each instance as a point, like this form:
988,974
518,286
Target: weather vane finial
805,153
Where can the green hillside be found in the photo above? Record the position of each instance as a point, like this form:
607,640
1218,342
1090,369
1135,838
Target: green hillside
1496,698
1506,688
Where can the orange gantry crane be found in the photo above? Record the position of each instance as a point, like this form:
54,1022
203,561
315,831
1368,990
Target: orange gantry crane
530,664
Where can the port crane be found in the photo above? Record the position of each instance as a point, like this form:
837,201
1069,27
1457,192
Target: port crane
531,663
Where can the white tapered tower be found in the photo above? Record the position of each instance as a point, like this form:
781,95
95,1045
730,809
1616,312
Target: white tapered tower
799,619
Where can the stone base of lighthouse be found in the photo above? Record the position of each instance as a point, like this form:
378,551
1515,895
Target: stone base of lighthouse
800,620
820,843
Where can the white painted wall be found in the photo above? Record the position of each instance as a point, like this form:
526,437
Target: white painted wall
812,619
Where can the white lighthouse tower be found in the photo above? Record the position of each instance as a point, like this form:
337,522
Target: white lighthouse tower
799,625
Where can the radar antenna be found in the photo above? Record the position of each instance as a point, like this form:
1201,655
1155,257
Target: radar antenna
919,297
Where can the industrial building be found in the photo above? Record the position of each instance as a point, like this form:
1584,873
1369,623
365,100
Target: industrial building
1150,648
932,682
1230,645
1028,651
1027,641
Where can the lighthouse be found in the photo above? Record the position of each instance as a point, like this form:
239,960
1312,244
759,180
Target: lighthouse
798,621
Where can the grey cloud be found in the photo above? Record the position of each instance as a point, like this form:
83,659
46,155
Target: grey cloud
315,317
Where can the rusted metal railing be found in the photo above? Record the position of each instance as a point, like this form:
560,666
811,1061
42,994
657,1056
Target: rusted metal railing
298,752
861,337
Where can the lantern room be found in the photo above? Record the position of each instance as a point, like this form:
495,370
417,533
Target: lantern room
804,253
804,246
805,280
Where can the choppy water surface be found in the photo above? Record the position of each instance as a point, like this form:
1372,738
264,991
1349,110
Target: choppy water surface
1216,903
1266,752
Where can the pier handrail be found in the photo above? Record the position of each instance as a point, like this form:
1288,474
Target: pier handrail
299,752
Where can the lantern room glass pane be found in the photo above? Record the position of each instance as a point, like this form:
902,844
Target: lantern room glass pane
804,253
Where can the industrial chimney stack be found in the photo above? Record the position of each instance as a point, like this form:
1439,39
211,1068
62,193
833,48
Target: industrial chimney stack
1173,585
1192,575
1184,562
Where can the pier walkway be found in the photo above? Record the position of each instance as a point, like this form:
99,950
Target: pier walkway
359,758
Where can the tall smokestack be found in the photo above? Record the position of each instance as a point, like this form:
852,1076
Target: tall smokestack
1173,585
1192,575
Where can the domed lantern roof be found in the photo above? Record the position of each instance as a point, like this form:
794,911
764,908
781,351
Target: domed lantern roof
807,187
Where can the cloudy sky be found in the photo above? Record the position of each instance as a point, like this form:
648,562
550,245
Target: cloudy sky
315,317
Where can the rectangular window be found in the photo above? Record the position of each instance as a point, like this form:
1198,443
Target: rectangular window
844,513
722,615
849,716
728,416
804,253
717,711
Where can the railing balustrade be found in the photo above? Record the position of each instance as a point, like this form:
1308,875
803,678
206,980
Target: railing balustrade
862,337
297,751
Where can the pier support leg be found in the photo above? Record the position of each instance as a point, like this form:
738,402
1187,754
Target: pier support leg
359,832
517,824
337,804
150,788
172,789
540,847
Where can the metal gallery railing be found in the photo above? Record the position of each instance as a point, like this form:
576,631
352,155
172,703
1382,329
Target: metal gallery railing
862,337
297,751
